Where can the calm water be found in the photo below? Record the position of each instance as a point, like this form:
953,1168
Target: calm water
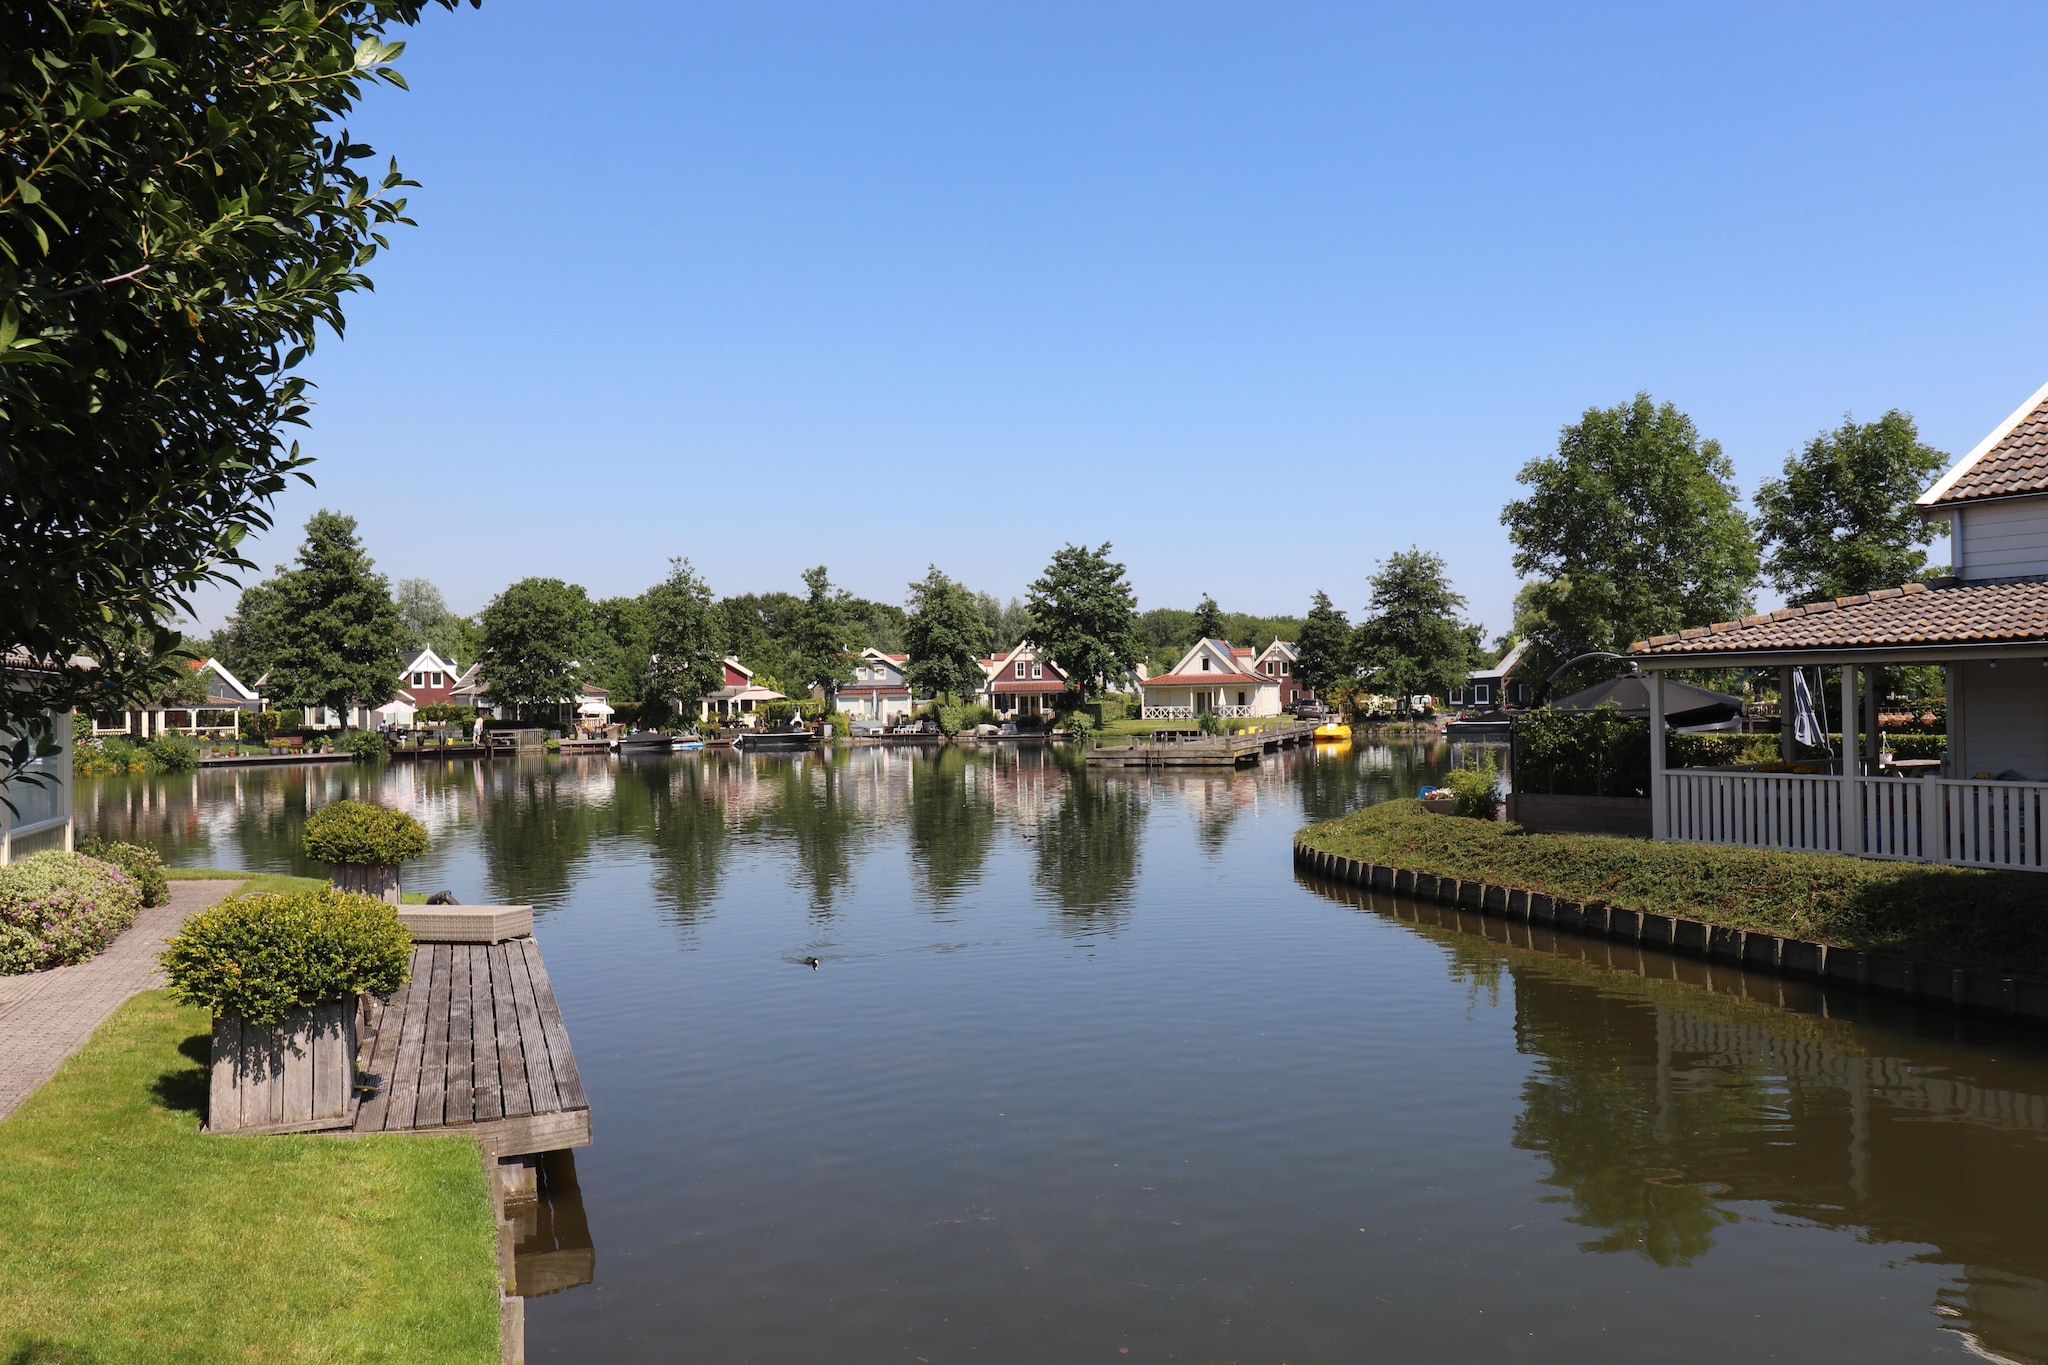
1087,1074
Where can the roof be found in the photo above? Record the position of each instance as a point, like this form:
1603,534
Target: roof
1913,618
2011,462
999,683
230,679
1207,679
1508,664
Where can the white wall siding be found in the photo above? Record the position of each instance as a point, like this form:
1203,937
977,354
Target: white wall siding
2004,539
2005,722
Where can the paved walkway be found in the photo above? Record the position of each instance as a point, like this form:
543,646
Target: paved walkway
47,1016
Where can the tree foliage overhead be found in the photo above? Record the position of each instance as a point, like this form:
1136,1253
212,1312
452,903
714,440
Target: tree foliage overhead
1842,518
427,623
535,636
1085,617
1631,529
335,628
945,637
1323,651
1413,640
683,639
1209,620
179,214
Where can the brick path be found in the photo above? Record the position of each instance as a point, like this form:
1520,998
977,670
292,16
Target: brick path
47,1016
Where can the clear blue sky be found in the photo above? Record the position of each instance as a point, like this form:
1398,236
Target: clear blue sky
1259,293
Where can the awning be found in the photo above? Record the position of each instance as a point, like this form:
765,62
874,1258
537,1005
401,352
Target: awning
1685,706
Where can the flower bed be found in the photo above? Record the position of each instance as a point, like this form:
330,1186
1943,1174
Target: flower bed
58,908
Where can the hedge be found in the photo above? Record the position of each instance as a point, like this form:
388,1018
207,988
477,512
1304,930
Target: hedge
261,956
141,864
360,833
58,908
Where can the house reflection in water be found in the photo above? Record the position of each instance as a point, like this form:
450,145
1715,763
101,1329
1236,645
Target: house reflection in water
1670,1092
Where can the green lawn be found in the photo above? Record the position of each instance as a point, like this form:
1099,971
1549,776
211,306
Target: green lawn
133,1238
264,882
1965,917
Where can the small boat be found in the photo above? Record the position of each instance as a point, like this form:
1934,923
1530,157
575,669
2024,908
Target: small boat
646,742
1330,732
686,745
795,737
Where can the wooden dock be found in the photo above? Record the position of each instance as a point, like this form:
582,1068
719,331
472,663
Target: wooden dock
1182,750
474,1045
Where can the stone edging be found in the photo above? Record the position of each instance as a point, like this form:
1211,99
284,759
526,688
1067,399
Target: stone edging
2018,998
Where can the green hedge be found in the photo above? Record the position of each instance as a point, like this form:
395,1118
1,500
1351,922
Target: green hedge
261,956
58,908
1964,917
142,865
360,833
365,745
1582,753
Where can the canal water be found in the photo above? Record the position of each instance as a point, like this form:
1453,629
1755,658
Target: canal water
1087,1073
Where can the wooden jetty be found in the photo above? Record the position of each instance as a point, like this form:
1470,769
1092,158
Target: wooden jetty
1193,749
584,745
474,1046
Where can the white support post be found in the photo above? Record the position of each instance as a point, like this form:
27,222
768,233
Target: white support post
1660,799
1852,807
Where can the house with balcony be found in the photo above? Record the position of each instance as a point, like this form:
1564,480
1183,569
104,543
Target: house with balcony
1023,682
1214,676
1985,627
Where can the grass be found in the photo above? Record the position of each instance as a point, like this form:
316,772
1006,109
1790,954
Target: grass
132,1237
1132,726
1964,917
266,883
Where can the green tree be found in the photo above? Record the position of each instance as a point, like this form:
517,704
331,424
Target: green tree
1085,616
427,622
685,641
248,643
619,650
1412,640
1009,624
337,632
1842,519
1632,529
535,636
823,636
181,213
1323,651
1208,619
945,636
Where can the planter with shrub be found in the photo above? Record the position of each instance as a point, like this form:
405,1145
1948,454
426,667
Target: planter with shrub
283,975
59,908
363,845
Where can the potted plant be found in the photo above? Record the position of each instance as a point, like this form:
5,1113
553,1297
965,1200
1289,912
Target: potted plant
363,845
283,974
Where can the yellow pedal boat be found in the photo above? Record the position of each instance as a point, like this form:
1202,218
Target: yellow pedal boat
1332,731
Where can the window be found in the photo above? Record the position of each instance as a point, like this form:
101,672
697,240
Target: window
1286,667
1482,695
1038,670
440,680
1205,663
419,680
1240,699
1020,668
1457,696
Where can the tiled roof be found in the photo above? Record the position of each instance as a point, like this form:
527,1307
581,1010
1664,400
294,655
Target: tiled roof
1002,683
1913,616
2011,462
1203,679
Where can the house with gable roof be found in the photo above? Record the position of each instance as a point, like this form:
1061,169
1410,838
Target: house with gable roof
1985,627
1213,676
1023,682
225,695
738,698
878,693
1276,661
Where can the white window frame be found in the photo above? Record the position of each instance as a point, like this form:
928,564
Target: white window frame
1020,668
1482,695
1037,670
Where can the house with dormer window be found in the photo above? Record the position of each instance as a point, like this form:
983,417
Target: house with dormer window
1276,661
1023,682
878,695
1217,677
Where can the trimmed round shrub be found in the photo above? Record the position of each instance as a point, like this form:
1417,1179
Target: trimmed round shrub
141,864
171,752
57,908
365,745
262,956
358,832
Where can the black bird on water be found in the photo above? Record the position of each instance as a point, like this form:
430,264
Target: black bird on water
812,963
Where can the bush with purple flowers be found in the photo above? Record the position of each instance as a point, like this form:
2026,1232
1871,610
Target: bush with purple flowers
57,908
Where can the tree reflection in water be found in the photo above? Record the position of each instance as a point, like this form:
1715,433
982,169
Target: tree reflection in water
952,823
1088,852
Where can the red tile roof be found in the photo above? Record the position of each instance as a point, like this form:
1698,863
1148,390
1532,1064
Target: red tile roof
2015,464
1201,679
999,683
1916,616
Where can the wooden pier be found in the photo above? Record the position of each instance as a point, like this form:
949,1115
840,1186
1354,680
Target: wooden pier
474,1045
1185,749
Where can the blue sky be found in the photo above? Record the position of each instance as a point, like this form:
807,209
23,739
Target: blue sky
1259,293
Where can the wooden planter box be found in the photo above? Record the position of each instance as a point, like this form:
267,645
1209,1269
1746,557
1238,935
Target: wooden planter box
1628,816
378,880
296,1076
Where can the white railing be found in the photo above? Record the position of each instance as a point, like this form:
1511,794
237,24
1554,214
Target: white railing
1973,822
1169,713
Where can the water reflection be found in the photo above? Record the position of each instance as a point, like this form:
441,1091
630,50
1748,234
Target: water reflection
1669,1093
551,1245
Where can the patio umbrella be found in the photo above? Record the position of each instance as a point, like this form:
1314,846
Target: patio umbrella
1685,706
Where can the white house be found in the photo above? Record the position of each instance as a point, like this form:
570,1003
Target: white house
225,695
1276,661
1213,676
1987,629
878,694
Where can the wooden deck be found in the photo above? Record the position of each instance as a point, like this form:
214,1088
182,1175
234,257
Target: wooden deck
474,1044
1208,751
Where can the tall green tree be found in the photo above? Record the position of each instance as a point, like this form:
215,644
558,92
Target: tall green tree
1208,619
619,650
1323,651
536,634
337,632
1413,639
1631,529
945,637
1842,519
181,211
1085,616
824,636
248,642
427,623
685,641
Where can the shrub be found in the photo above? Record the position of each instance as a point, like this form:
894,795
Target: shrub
57,908
952,719
842,723
360,833
1210,723
261,956
1080,727
366,745
1582,753
1917,746
142,865
1478,796
290,718
261,725
171,752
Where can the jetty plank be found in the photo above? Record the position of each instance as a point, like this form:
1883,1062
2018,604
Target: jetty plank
490,1090
533,1046
511,1060
461,1083
568,1081
432,1104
